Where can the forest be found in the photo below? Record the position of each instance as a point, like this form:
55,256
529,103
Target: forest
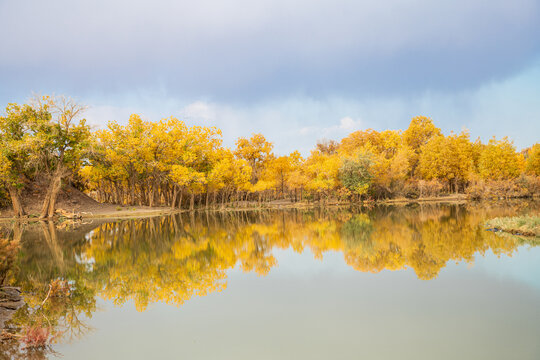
46,145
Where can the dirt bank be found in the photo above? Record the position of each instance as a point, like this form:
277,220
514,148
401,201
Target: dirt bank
72,202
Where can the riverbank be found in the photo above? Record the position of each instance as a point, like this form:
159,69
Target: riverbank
74,204
528,225
94,210
107,211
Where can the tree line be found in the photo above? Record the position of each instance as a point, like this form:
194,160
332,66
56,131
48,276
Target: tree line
47,143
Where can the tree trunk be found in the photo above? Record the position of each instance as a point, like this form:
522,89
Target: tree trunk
45,206
15,200
180,199
151,195
57,184
175,194
118,199
131,195
49,203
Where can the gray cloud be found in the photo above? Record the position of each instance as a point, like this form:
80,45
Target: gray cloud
240,50
293,70
508,107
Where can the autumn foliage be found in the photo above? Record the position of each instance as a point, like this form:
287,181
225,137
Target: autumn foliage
170,163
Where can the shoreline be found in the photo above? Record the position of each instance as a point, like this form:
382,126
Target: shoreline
106,211
523,225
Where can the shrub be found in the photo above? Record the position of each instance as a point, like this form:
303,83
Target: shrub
430,188
411,190
37,336
529,185
476,190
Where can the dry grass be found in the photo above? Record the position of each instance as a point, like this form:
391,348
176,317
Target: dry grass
35,336
528,225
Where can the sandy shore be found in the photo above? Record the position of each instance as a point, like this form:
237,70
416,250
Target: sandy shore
109,211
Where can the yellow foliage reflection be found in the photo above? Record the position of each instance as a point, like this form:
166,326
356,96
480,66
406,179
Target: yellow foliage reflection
174,258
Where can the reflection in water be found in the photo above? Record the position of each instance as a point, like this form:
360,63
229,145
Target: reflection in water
45,254
173,258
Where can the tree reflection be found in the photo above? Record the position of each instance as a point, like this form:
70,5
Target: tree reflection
173,258
47,255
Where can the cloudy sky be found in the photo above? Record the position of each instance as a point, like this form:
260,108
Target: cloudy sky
297,71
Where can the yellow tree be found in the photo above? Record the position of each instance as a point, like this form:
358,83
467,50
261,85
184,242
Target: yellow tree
124,157
499,160
206,148
298,179
193,153
279,171
322,172
533,160
351,144
295,177
189,178
256,151
420,131
448,158
391,165
390,173
229,174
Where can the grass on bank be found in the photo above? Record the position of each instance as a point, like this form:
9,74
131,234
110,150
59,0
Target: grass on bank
527,225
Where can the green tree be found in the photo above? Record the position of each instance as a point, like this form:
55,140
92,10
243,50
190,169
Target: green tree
356,174
20,148
63,140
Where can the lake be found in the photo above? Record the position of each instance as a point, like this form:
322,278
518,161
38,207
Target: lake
389,282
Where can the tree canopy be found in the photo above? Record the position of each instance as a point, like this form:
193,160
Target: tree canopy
46,144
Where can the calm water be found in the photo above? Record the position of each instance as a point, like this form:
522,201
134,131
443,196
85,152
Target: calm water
422,282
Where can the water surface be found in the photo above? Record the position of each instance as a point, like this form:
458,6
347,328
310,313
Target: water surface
417,282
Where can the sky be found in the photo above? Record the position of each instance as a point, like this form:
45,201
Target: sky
296,71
